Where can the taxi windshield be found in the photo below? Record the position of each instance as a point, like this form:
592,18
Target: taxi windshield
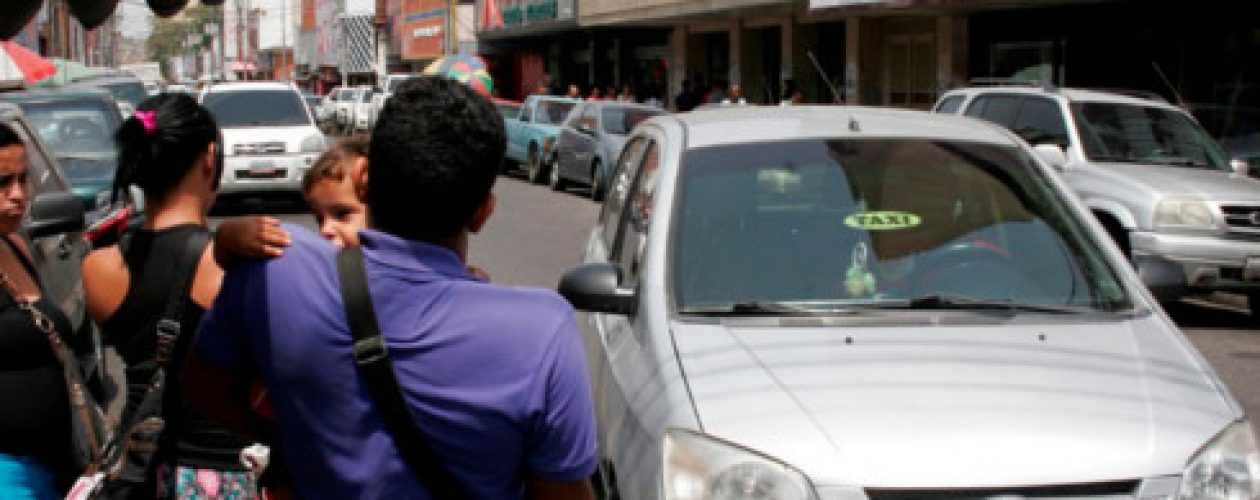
854,223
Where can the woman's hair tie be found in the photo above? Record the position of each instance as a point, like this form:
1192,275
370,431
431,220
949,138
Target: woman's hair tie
148,119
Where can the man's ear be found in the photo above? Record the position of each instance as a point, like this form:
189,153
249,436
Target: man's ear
482,215
359,176
208,159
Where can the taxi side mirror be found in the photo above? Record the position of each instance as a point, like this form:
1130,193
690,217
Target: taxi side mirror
596,288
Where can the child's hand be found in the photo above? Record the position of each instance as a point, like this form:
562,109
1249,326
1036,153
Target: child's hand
254,237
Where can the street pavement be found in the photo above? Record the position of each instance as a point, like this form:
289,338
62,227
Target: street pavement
536,234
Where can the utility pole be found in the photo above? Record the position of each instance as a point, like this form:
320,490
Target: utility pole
240,38
381,23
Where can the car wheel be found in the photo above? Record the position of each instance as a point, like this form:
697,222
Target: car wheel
597,182
535,170
556,181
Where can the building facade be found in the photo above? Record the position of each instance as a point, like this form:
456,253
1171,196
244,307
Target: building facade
896,53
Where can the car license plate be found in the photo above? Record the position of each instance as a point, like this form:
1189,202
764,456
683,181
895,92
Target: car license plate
1251,270
262,168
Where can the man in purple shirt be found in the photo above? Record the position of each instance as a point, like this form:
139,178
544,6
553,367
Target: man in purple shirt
494,377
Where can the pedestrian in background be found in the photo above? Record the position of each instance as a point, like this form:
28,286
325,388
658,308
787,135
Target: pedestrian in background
493,377
35,427
574,92
170,149
627,94
736,96
686,99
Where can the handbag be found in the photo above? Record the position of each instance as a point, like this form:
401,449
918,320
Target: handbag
371,357
126,461
90,428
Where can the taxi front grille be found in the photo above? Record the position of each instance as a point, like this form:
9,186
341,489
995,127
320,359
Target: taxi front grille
1245,218
1109,490
259,148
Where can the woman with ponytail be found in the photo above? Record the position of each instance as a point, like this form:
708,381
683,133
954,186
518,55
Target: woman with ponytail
170,150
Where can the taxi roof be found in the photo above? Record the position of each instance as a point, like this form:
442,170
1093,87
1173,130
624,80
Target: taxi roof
745,124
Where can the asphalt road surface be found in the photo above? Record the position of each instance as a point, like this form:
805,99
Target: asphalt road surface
536,234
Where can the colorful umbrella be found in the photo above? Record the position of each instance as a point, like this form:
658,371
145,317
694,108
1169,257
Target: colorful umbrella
17,62
68,71
466,69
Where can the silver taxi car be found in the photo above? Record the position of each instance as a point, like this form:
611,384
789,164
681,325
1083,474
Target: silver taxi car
854,303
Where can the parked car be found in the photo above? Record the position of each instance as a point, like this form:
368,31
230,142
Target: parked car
348,105
78,127
342,105
312,103
327,113
510,110
127,90
589,141
387,89
1157,181
532,135
844,302
269,136
54,223
364,114
179,88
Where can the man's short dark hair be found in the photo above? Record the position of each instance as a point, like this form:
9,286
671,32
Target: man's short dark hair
435,154
9,137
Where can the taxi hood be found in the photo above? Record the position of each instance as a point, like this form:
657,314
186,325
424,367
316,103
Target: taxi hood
934,405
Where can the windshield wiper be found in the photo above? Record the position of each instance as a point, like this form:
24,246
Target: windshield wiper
1180,163
962,302
85,156
763,308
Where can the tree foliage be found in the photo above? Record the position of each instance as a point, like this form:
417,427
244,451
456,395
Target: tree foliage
170,35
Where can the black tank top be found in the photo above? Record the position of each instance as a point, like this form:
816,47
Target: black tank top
151,261
35,420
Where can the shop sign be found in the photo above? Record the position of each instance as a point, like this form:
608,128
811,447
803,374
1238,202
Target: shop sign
819,4
423,27
516,13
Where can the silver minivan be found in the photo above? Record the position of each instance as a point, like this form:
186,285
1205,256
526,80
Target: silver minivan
855,303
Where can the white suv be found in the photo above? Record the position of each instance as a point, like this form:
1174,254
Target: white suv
269,136
1163,189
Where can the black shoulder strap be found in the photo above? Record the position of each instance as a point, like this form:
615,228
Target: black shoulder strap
168,327
371,356
168,331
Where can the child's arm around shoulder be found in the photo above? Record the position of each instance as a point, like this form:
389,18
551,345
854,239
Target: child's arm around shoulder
249,237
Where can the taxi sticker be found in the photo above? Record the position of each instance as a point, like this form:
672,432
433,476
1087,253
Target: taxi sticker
883,220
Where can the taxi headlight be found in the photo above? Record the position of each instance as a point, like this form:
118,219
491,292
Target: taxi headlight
1182,213
314,144
1228,467
701,467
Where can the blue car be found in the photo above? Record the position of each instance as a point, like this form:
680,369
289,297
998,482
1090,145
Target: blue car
533,134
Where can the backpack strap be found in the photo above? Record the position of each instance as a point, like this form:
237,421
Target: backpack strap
371,357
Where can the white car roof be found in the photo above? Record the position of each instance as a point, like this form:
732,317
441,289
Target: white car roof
237,86
1070,94
744,124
